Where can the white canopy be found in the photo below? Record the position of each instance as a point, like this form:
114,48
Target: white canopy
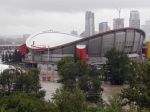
49,40
4,67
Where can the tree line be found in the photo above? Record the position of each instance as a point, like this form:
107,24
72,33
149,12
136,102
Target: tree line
10,57
76,74
119,70
17,80
81,91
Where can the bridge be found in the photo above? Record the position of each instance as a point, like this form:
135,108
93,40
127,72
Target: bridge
8,47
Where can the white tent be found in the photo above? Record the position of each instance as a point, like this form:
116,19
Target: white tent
4,67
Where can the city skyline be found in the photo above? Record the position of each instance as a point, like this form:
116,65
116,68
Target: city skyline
20,17
103,26
89,23
118,23
134,20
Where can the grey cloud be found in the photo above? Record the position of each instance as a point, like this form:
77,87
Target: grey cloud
29,16
70,5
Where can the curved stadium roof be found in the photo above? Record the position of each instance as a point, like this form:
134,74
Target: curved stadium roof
49,39
129,40
114,31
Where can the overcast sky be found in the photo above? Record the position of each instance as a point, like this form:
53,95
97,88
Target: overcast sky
19,17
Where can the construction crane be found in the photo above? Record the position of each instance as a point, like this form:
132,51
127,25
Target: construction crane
118,9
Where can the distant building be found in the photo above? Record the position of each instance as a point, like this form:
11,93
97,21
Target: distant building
118,23
73,32
89,23
25,36
103,27
146,28
134,20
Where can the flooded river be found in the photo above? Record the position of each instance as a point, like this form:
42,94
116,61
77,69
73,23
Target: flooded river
109,90
50,88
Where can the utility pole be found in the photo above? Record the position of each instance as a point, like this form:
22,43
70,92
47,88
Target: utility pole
118,9
48,54
48,60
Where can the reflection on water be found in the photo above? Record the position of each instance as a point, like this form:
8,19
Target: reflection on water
50,88
111,90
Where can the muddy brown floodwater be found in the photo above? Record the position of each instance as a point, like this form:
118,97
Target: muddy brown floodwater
50,88
109,90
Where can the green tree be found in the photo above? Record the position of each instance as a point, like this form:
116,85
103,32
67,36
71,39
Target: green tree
138,91
114,105
118,66
21,102
29,83
7,80
14,56
70,101
63,61
10,57
79,74
3,57
18,56
71,72
6,57
91,85
17,81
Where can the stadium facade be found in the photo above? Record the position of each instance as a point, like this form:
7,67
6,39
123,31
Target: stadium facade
49,47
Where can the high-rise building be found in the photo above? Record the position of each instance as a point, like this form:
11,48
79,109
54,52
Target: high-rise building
25,36
118,23
134,20
146,28
103,26
89,23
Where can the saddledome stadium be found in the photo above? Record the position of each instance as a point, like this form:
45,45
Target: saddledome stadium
50,47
